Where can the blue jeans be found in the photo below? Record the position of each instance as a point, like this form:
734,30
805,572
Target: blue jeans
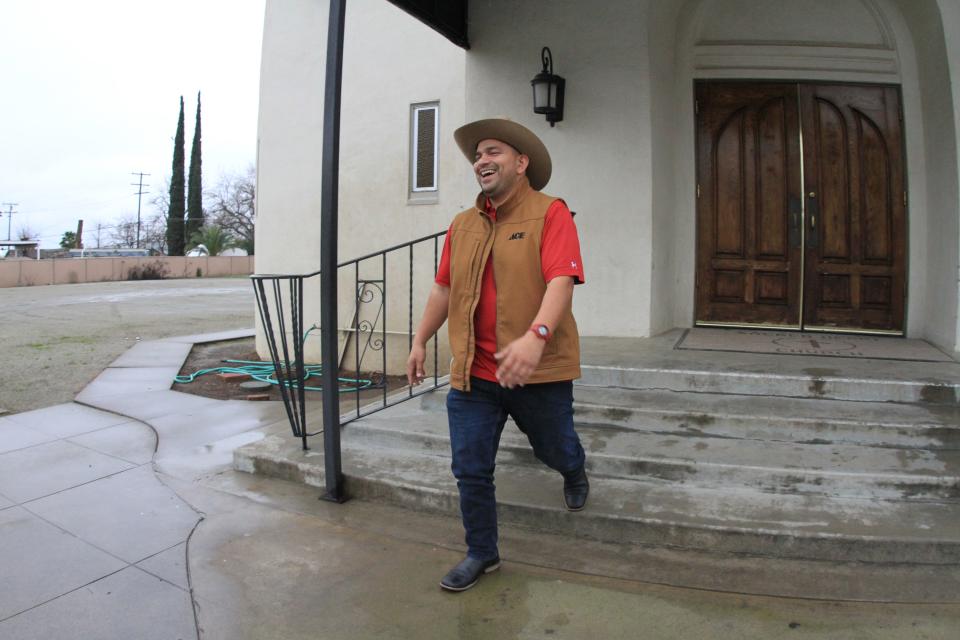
544,412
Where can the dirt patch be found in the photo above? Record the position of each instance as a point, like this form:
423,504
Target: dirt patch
213,355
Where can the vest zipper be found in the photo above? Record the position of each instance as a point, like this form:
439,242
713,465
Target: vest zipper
478,279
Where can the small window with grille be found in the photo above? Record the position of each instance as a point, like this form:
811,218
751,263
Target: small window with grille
424,139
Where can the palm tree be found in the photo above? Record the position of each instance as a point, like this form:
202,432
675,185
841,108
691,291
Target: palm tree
214,238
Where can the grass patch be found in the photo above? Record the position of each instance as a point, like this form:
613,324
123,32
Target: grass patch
62,340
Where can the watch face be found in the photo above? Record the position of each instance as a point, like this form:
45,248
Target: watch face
543,331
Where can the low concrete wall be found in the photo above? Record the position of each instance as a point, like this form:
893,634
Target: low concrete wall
26,273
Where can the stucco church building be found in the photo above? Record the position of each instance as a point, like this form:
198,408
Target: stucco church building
747,163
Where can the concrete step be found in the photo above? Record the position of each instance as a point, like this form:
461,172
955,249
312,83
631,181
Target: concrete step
814,382
768,418
689,458
655,363
643,512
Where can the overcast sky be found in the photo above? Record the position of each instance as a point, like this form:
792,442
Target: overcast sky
90,91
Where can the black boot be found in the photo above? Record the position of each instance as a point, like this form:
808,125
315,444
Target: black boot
575,489
465,575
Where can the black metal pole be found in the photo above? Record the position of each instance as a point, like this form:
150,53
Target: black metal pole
328,253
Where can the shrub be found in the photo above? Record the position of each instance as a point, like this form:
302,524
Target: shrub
155,270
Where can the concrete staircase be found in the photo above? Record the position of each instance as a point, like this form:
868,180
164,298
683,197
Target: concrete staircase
734,476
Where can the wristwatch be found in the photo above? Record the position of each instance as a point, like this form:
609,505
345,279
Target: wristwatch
542,331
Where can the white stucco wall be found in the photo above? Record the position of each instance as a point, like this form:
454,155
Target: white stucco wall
390,61
669,268
601,150
950,18
936,185
290,133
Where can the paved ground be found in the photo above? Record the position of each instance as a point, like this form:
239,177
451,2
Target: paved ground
55,339
127,521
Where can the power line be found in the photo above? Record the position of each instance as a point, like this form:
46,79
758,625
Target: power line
139,195
10,212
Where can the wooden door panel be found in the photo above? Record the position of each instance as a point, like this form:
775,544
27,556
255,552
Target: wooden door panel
876,196
748,253
855,249
729,228
772,189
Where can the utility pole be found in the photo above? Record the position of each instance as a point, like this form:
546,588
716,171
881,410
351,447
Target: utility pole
139,195
98,235
10,212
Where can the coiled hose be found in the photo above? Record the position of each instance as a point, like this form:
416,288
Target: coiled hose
265,372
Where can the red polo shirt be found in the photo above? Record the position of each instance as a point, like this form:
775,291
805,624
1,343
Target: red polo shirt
559,256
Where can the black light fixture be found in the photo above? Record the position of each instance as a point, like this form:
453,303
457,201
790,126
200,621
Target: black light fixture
548,90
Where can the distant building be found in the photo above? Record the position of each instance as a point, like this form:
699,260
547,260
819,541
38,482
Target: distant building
19,248
112,253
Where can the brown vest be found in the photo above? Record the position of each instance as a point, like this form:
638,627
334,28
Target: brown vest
514,242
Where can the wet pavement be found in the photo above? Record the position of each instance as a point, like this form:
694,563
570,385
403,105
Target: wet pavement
121,517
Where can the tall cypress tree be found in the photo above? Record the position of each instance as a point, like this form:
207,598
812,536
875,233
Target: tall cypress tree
194,184
175,215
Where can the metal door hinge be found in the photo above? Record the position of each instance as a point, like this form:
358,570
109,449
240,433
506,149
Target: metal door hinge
698,190
696,107
904,198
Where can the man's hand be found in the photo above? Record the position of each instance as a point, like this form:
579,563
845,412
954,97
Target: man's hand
434,315
518,360
415,372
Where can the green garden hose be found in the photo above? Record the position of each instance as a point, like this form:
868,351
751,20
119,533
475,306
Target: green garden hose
265,372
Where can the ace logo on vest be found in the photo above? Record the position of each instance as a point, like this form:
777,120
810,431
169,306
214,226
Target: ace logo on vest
519,235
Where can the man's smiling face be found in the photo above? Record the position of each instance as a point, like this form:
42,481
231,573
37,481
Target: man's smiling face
498,168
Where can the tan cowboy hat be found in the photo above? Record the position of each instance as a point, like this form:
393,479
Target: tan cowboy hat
517,136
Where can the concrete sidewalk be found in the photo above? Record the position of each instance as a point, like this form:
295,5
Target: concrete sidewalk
121,517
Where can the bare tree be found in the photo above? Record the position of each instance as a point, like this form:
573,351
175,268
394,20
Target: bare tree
153,235
124,232
153,232
231,206
161,201
25,234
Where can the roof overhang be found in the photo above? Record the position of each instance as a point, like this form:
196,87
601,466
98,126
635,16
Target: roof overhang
19,243
446,17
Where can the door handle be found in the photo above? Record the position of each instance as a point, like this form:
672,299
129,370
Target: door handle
813,239
795,209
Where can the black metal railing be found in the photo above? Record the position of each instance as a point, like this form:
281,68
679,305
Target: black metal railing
380,282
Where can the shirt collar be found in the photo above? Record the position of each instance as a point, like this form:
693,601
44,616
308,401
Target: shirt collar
484,205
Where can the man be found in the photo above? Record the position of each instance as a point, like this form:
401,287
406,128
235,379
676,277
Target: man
505,284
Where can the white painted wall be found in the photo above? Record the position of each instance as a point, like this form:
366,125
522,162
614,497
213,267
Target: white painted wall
950,18
669,269
935,181
390,61
289,136
601,150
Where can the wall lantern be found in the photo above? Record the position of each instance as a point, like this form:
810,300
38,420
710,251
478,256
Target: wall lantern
548,90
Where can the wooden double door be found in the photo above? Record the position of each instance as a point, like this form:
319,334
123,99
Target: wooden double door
801,206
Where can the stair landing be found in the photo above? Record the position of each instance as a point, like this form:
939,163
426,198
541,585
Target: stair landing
844,473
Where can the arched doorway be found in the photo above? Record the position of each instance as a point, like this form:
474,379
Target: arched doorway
746,40
801,206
